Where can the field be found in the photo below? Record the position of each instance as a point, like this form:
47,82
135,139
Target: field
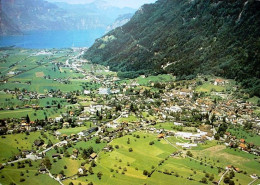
12,144
129,119
73,164
242,134
75,130
13,174
159,78
208,87
121,166
220,156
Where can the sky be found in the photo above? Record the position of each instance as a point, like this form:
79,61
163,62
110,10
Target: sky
119,3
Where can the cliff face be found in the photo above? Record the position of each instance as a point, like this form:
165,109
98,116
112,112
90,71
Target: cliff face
187,37
120,21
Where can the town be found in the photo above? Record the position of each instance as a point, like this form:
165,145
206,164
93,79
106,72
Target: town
66,121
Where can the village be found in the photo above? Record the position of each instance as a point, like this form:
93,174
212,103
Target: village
103,109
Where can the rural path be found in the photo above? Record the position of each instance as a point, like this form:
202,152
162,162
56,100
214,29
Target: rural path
171,144
51,176
222,176
253,181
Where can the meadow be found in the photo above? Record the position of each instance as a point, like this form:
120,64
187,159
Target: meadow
13,174
15,143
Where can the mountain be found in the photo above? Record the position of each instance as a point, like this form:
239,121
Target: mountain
120,21
7,27
187,37
97,13
35,14
31,15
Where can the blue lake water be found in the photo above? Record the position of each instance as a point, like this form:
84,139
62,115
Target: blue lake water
53,39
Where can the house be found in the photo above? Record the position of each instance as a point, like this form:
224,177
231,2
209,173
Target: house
59,177
38,142
186,145
56,156
173,109
82,170
86,92
66,124
104,91
219,82
93,156
242,146
42,170
58,119
75,152
161,136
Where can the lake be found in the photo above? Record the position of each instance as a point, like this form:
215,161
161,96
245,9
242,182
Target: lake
53,39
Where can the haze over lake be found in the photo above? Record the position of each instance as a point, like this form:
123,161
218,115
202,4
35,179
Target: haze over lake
53,39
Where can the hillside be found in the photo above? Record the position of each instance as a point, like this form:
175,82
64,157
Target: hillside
186,38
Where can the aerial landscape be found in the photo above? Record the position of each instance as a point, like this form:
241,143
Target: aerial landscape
139,92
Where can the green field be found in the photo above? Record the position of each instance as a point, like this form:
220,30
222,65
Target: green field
130,118
208,87
73,164
11,144
159,78
75,130
13,174
249,137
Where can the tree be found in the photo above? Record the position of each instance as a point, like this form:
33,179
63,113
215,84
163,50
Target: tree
99,175
189,154
145,172
90,170
46,161
28,119
226,179
98,140
204,180
130,149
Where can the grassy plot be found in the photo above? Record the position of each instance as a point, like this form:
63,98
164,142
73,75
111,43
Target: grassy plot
185,168
75,130
143,157
207,87
159,78
13,174
254,100
129,119
248,136
33,114
72,165
11,144
221,156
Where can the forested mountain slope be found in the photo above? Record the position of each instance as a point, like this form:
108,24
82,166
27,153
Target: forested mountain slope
187,37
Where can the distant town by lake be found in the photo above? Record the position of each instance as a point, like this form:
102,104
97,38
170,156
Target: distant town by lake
53,39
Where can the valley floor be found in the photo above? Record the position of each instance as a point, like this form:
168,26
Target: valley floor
64,120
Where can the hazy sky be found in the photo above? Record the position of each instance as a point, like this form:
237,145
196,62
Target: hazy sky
120,3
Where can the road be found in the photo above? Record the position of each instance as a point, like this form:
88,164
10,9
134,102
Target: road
253,181
222,176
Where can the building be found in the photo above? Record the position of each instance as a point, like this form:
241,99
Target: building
104,91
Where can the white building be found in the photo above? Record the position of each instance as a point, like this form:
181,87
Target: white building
86,92
173,109
104,91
